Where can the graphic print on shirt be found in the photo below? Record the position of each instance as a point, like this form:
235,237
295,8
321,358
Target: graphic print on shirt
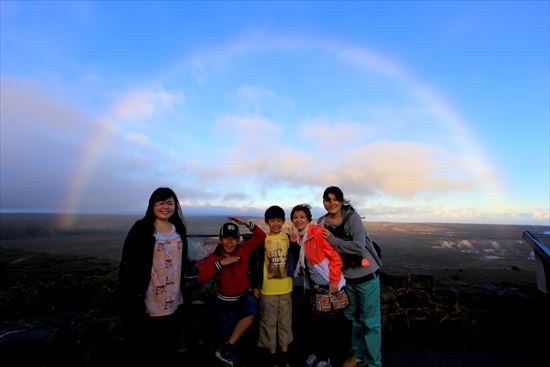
276,252
163,294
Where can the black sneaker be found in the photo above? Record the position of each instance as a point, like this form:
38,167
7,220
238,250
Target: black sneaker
225,354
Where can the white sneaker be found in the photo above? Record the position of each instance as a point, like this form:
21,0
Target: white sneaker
311,359
324,363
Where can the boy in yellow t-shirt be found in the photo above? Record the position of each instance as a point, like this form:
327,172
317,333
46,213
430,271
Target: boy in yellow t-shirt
272,268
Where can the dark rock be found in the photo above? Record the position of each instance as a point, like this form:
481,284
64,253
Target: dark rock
86,331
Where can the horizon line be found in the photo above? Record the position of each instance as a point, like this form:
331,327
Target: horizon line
252,215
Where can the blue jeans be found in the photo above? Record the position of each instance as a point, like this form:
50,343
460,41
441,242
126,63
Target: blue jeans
366,326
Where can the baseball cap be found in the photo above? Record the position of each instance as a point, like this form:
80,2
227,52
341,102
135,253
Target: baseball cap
229,229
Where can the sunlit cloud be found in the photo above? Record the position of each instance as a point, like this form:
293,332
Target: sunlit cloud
336,134
541,215
402,169
241,138
461,145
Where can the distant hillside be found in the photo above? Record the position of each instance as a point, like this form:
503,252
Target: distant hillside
27,225
416,247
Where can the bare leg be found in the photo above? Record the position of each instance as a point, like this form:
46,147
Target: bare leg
240,328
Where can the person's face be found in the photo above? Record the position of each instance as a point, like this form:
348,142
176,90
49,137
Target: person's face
164,209
275,225
299,219
228,244
331,204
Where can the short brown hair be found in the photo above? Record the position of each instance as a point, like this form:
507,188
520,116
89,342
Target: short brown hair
302,208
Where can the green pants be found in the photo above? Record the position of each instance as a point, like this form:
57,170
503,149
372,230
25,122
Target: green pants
366,327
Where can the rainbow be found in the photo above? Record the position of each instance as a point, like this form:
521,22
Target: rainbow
361,57
89,158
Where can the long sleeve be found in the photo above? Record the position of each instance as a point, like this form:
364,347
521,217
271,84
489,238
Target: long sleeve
258,237
334,261
232,279
124,287
209,269
356,244
135,268
322,256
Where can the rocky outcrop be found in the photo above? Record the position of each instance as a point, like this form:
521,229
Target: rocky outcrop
412,305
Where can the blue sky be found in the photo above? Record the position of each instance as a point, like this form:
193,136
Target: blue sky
421,111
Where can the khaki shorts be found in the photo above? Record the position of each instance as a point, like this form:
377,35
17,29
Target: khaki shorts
275,321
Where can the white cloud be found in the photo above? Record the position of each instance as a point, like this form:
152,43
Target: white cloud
260,158
143,104
236,197
244,127
541,215
335,134
399,169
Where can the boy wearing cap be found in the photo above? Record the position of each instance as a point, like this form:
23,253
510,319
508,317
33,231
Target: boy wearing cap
228,264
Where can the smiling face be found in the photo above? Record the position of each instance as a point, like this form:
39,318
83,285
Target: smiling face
229,243
332,204
300,220
275,225
164,209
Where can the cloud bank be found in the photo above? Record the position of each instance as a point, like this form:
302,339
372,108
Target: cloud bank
247,142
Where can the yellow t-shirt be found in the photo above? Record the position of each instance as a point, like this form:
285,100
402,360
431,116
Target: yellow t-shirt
275,279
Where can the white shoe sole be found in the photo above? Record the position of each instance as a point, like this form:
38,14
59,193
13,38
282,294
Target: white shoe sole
219,356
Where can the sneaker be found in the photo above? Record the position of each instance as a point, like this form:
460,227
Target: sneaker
324,363
352,361
310,361
225,354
